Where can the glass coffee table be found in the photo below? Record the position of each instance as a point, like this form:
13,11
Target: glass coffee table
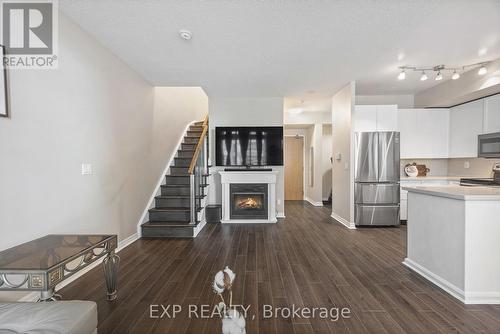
41,264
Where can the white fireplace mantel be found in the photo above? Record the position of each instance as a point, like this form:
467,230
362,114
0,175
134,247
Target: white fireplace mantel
267,177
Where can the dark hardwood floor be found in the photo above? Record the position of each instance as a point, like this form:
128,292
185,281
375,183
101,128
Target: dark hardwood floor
306,260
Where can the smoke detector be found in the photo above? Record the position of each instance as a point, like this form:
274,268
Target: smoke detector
185,34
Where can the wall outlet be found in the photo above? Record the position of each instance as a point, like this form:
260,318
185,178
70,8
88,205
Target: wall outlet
87,169
279,202
346,166
466,164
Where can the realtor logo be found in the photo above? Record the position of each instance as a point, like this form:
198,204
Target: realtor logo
29,33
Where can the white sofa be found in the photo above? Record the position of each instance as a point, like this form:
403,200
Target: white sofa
64,317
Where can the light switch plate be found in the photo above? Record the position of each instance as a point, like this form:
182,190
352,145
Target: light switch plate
87,169
466,164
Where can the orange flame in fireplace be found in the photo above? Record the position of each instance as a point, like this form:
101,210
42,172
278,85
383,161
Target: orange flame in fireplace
249,203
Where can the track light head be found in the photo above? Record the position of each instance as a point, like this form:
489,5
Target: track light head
455,75
439,76
402,75
482,70
423,77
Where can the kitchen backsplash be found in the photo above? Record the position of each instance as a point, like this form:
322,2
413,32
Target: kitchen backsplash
478,167
438,167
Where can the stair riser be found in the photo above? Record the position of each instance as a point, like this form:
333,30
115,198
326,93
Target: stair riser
169,216
177,179
179,162
178,170
185,154
194,133
172,202
175,191
185,146
191,140
167,232
196,128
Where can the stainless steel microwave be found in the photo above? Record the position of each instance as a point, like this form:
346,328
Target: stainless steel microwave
489,145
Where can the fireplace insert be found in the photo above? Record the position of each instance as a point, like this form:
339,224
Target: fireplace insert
248,201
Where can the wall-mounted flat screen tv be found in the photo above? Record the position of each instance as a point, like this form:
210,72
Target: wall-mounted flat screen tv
249,146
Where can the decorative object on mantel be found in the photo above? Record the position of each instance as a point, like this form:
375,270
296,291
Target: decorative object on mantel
411,170
232,321
4,100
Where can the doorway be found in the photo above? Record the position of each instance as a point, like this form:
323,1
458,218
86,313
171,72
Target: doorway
294,168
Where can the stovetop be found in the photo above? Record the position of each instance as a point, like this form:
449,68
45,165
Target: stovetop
480,182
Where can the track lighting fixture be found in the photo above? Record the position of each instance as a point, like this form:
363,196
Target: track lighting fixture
439,69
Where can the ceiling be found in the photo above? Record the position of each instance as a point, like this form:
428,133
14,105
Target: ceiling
302,49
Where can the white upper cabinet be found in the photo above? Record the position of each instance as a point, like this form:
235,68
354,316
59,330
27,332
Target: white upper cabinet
466,123
424,133
387,117
492,114
365,118
407,126
371,118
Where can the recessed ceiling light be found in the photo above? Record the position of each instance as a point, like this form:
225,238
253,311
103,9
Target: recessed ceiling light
482,70
455,75
439,76
185,34
423,77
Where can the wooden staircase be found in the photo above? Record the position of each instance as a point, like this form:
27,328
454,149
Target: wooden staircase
179,207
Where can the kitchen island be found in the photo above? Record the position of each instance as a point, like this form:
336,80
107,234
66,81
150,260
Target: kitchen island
454,240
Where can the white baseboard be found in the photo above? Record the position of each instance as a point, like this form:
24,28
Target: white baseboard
249,221
33,296
199,227
161,181
313,202
465,297
343,221
437,280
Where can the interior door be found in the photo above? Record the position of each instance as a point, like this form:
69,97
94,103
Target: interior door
294,168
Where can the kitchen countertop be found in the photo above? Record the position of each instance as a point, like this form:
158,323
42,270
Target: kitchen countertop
431,178
459,192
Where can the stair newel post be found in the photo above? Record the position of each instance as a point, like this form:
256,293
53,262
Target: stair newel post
192,198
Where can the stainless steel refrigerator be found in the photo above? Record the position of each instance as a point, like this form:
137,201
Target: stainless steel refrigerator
377,177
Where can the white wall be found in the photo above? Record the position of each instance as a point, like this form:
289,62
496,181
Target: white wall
403,101
326,164
343,170
243,111
308,117
93,109
470,86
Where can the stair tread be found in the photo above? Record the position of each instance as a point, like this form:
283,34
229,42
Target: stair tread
178,196
175,185
169,224
176,209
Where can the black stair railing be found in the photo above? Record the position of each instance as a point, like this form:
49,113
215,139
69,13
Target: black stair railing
198,171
